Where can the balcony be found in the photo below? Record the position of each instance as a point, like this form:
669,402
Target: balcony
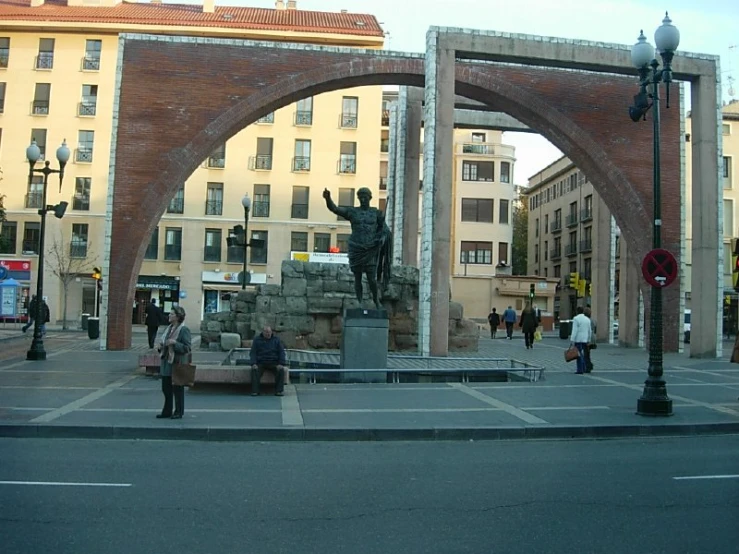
556,226
29,246
215,162
78,250
555,253
173,252
261,162
83,155
478,148
260,208
214,207
347,166
383,183
385,121
40,107
586,246
45,60
268,119
176,206
212,254
571,250
303,118
586,214
385,145
34,200
4,58
572,220
301,163
81,203
348,121
87,109
90,63
299,211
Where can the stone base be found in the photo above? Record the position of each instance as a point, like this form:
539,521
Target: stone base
364,342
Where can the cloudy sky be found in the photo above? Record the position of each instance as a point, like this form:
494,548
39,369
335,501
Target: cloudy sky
708,26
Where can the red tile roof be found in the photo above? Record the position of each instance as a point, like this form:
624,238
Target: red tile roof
227,17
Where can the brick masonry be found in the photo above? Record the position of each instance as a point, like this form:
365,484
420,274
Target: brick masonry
181,97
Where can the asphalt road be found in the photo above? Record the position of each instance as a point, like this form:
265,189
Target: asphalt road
559,496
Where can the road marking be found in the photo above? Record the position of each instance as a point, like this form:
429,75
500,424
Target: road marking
45,388
72,406
291,414
512,410
62,484
697,477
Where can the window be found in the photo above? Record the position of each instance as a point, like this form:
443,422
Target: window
268,119
214,199
477,209
85,145
557,223
536,227
88,106
91,61
476,252
383,175
31,237
81,200
217,158
8,237
152,250
382,204
479,137
177,204
301,161
41,98
235,254
263,159
299,241
342,242
173,244
300,203
260,207
2,97
587,268
505,172
728,218
727,172
304,113
349,111
546,250
557,271
546,223
78,247
258,247
725,127
4,51
503,253
536,254
212,248
321,242
348,157
346,200
478,171
587,209
35,194
45,58
503,211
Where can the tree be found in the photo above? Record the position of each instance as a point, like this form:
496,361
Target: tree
67,268
520,236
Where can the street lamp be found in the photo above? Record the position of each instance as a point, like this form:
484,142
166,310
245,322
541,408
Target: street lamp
654,400
33,154
239,237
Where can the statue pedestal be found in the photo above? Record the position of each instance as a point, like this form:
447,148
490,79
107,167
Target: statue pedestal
364,341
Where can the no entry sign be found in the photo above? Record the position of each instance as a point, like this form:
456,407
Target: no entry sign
659,268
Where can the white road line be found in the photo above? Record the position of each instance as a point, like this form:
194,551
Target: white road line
62,484
45,388
512,410
72,406
697,477
291,414
396,410
189,410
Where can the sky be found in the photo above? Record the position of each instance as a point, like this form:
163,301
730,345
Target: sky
707,26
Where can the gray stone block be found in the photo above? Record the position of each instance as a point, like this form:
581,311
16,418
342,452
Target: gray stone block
456,310
278,304
268,290
215,346
244,330
246,296
314,287
243,317
262,304
298,324
334,285
215,326
344,273
295,305
294,287
325,305
292,269
230,340
242,307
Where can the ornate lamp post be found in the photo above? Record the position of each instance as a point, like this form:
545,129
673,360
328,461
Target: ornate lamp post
33,153
240,238
654,400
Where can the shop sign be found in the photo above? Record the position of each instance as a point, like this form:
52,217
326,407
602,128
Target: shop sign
321,257
20,270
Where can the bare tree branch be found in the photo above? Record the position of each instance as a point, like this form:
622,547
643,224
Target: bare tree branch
67,267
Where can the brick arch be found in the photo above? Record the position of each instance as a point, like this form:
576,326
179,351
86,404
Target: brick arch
149,171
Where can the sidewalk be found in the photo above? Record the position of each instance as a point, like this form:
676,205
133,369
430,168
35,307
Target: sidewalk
83,392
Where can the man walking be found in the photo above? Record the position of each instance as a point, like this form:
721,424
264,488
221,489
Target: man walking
267,353
509,317
32,311
494,321
591,343
580,337
153,319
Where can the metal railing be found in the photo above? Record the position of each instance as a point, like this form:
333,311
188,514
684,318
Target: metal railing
34,200
586,214
87,109
586,245
216,162
478,148
78,250
81,203
301,163
571,249
385,121
30,246
303,118
40,107
572,220
45,60
383,183
556,226
4,58
262,162
173,252
347,166
83,155
555,253
214,207
384,145
212,254
348,121
90,63
267,119
260,208
176,206
299,211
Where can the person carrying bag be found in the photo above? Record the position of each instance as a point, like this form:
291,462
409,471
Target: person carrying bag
175,348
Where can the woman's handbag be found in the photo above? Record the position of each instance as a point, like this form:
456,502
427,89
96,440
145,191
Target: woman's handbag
183,375
572,353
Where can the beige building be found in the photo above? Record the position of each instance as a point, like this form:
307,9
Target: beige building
57,78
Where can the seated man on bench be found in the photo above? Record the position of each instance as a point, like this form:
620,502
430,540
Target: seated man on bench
267,353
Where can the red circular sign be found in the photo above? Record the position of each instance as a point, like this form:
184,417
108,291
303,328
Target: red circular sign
659,268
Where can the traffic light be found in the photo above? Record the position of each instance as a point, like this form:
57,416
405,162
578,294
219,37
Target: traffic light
581,288
96,273
532,291
237,236
735,263
590,289
574,278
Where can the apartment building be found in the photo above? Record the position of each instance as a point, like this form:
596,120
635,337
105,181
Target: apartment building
57,78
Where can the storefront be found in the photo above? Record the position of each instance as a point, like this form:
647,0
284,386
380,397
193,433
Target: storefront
20,271
218,286
166,291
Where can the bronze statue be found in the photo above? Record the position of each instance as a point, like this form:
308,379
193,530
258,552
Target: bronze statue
370,243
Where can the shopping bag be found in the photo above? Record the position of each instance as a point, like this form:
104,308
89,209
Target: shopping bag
537,336
572,353
183,375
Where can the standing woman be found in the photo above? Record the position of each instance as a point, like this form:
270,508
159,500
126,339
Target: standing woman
528,323
175,348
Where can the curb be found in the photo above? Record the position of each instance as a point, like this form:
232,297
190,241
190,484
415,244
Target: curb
301,434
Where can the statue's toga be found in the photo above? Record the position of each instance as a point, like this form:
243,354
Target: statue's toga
370,244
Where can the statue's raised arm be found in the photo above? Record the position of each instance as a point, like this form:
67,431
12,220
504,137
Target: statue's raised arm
343,212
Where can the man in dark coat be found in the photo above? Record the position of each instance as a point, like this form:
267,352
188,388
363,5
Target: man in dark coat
528,323
494,321
267,353
153,319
